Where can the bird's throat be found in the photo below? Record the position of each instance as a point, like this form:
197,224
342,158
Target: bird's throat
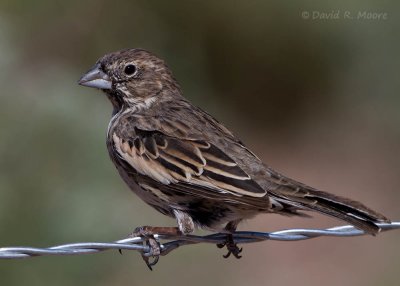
116,100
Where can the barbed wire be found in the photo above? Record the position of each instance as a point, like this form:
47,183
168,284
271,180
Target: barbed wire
169,242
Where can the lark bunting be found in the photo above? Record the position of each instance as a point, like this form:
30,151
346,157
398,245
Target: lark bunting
187,165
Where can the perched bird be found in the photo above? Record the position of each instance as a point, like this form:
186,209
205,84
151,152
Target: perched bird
187,165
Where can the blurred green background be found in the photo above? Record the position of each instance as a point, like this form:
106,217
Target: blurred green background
316,99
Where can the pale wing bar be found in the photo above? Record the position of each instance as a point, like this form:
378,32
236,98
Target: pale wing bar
171,161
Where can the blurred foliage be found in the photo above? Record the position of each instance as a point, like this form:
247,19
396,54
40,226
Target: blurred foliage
302,93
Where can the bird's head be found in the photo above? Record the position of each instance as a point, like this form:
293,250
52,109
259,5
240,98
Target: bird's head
132,78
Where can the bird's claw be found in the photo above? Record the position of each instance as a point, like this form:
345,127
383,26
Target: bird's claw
231,246
150,241
150,262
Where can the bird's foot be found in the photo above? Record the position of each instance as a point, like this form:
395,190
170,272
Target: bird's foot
147,233
150,258
231,246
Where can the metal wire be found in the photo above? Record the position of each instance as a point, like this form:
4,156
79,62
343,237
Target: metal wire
169,243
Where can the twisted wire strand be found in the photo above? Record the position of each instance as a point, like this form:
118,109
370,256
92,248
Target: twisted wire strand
169,243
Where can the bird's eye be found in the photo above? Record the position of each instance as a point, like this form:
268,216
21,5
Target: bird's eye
130,69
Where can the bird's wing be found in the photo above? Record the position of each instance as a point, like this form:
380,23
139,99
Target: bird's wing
175,161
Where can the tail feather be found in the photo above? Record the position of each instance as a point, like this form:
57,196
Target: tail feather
353,212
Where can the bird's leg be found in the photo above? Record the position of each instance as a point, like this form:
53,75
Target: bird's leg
148,232
230,243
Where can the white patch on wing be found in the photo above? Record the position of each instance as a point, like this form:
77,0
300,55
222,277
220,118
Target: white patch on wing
155,168
144,167
202,182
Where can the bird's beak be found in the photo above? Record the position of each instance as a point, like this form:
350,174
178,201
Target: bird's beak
96,78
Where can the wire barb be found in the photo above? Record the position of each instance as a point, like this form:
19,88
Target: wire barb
169,243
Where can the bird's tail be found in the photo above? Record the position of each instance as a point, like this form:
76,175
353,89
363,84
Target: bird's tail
300,197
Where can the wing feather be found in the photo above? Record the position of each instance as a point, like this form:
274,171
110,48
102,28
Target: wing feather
200,164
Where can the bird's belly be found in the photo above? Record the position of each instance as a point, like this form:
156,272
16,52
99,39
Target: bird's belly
205,212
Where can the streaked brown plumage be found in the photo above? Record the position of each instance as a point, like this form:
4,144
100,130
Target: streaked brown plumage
187,165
